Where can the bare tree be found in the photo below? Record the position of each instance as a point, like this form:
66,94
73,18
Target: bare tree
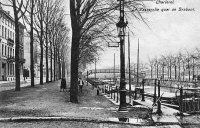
179,58
188,60
86,17
29,21
151,63
19,12
162,62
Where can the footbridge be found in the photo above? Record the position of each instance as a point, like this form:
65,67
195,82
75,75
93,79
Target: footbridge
93,71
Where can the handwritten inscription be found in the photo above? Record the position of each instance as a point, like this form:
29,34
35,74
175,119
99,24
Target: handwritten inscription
178,9
185,9
165,7
164,1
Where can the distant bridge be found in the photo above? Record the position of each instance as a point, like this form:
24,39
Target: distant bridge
112,71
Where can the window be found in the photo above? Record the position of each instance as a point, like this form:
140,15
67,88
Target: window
2,31
5,50
11,69
5,32
3,19
8,51
13,36
2,49
8,33
8,68
11,52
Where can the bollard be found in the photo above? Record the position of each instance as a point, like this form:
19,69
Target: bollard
159,102
143,81
97,89
114,94
104,89
181,101
135,97
111,92
87,78
117,95
154,98
107,90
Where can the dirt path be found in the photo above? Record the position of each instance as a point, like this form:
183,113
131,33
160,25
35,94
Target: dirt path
46,100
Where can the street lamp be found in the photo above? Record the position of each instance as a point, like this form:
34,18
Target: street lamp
121,25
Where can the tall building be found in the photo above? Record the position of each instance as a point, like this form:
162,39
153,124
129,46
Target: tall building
7,46
36,54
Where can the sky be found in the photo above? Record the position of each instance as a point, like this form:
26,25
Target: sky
168,33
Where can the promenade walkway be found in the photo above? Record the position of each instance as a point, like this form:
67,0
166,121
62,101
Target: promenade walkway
45,106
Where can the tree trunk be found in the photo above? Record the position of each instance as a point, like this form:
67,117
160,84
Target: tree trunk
189,69
157,71
51,61
74,69
31,45
167,72
175,72
54,63
63,67
193,70
163,71
47,45
74,53
59,62
41,62
47,61
170,74
17,48
179,71
183,72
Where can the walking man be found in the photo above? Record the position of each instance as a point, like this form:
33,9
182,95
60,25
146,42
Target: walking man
81,83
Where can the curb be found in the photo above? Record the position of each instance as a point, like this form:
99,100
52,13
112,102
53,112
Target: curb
154,123
77,119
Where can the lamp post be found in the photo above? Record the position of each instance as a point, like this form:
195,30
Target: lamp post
121,25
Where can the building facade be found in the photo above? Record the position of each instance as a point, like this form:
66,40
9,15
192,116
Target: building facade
7,46
36,54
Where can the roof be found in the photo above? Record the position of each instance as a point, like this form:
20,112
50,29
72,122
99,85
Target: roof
7,14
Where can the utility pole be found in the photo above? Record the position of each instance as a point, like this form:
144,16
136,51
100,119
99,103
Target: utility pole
137,72
114,70
138,52
95,70
121,25
129,67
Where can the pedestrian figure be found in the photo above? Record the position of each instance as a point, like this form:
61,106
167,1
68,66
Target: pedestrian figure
98,90
63,84
80,83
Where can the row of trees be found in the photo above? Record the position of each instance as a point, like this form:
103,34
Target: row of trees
44,21
181,66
